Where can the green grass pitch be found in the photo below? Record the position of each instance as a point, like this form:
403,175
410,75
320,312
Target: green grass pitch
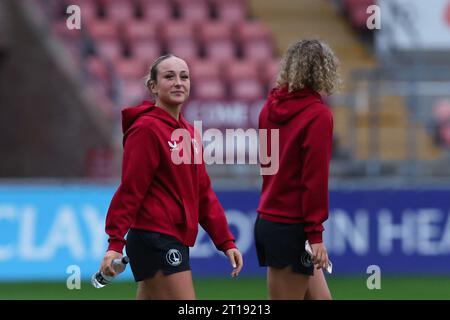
399,288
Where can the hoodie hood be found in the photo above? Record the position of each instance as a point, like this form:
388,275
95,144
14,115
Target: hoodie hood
284,105
148,108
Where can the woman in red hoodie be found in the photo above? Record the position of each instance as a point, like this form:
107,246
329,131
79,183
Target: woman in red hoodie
160,203
294,201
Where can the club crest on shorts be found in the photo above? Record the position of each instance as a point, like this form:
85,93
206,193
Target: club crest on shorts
306,259
173,257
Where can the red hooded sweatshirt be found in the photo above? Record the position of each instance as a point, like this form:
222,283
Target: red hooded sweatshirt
158,195
298,192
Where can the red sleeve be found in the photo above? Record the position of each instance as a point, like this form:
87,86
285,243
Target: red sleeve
212,216
140,160
316,150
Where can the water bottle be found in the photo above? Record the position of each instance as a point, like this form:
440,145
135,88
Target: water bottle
99,280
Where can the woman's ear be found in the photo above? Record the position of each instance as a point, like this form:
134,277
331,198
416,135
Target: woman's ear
152,87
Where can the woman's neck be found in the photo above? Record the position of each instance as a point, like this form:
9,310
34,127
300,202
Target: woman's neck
174,111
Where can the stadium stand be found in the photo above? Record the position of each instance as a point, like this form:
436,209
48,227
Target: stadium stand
130,34
233,49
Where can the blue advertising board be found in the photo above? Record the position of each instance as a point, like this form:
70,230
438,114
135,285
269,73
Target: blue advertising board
46,230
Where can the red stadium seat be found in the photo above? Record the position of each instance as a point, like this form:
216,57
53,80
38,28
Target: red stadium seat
156,10
97,68
231,10
441,111
209,89
109,49
253,30
105,35
444,133
221,50
255,40
179,30
218,41
130,68
351,4
357,11
133,91
185,49
209,31
99,82
88,8
269,71
193,10
180,39
247,89
140,30
146,51
204,69
119,10
358,17
103,29
258,49
242,69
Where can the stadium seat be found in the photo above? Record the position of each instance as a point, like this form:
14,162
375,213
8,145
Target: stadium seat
155,10
244,81
441,111
179,38
132,91
103,29
242,69
252,30
441,119
351,4
99,78
358,17
255,40
269,71
89,9
119,10
231,10
130,68
110,49
209,89
247,89
357,12
105,35
444,134
258,49
140,30
97,69
178,30
193,10
204,69
145,51
185,49
215,30
221,50
217,41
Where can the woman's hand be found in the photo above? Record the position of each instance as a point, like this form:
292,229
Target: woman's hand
236,261
320,255
105,267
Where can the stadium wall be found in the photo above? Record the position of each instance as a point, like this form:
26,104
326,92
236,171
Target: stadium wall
44,229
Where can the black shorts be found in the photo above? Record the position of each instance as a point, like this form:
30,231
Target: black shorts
150,252
280,245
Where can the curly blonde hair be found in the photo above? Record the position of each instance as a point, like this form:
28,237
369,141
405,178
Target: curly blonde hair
312,64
